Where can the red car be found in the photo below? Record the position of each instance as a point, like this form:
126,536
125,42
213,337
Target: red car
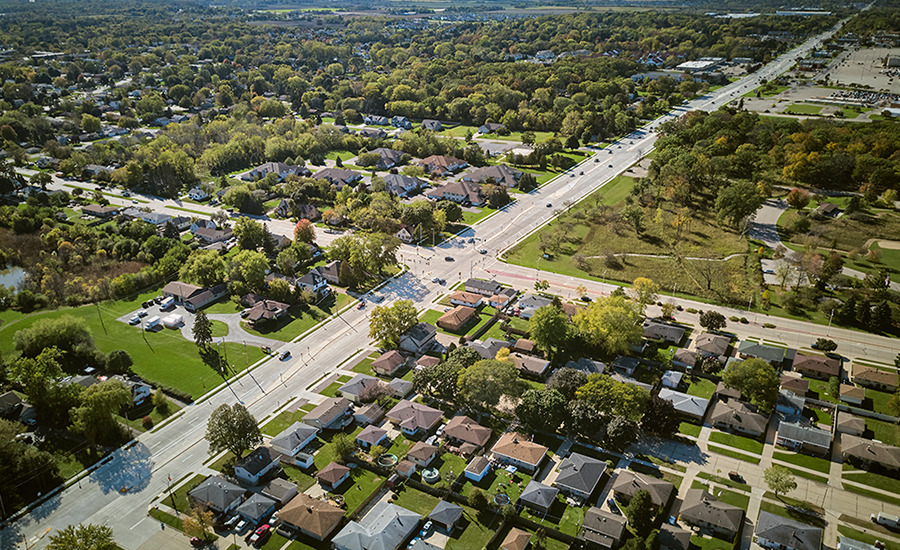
261,535
197,542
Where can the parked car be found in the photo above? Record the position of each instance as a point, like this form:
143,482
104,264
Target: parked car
197,542
734,476
260,536
549,205
442,282
612,506
134,320
142,313
241,527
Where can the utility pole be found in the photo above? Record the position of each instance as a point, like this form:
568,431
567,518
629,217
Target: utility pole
101,318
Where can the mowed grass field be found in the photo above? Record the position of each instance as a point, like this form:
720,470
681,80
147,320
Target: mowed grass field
163,357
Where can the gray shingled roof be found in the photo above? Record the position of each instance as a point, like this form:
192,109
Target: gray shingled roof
580,472
538,494
385,527
790,533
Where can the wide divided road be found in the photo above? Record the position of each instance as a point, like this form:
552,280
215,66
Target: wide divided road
119,492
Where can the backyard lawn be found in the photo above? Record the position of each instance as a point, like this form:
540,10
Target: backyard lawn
415,500
710,543
474,533
701,387
567,519
885,432
362,483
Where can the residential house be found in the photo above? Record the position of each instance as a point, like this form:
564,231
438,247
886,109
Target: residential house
389,363
425,361
867,453
462,430
314,281
265,311
749,348
99,211
140,390
827,209
421,454
406,468
388,158
372,133
626,365
338,177
83,380
280,490
371,413
256,465
217,495
817,366
156,218
517,539
441,165
401,122
674,538
688,405
256,508
500,301
294,439
489,348
405,233
518,450
469,299
538,497
360,387
499,174
850,424
414,418
193,297
378,120
198,194
602,530
372,436
618,377
301,211
804,438
331,272
628,483
712,345
672,334
875,379
477,468
491,128
579,475
399,387
457,318
386,527
208,235
724,393
530,366
702,509
463,192
853,395
483,287
530,303
781,533
433,125
446,514
310,516
420,338
738,417
587,366
332,476
672,379
794,383
280,169
403,186
333,413
789,403
523,345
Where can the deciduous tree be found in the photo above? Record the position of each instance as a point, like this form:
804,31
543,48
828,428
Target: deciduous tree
567,381
645,291
660,417
83,537
232,428
756,379
779,479
304,231
542,410
549,328
95,418
612,322
712,320
484,383
641,511
388,323
613,398
203,267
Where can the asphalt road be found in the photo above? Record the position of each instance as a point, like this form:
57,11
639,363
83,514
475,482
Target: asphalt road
119,492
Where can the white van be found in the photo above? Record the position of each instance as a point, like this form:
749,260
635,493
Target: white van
167,303
152,322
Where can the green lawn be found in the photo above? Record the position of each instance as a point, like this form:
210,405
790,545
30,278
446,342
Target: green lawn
875,480
878,400
219,329
809,462
470,218
871,494
803,109
275,542
415,500
71,456
723,481
300,320
567,519
885,432
820,388
803,473
362,483
473,532
710,543
822,417
701,387
285,420
332,389
499,481
796,515
163,357
303,480
135,417
690,429
739,442
734,498
325,454
400,447
365,366
732,454
866,537
180,500
459,131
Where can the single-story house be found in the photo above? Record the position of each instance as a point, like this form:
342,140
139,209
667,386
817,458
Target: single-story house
331,476
587,366
518,450
480,286
389,363
280,169
688,405
371,436
499,301
781,533
876,379
499,174
491,127
332,414
852,394
794,383
370,413
399,387
477,468
789,403
406,468
469,299
628,483
530,303
850,424
331,272
672,537
387,158
626,365
804,438
672,379
208,235
517,539
724,393
99,211
403,186
265,311
358,386
489,348
749,348
738,417
827,209
425,361
817,366
256,465
712,345
457,318
441,165
579,475
524,345
414,418
430,124
310,516
868,453
619,377
421,454
702,509
529,365
684,358
280,490
654,330
446,514
538,497
217,494
193,297
256,508
462,429
292,440
338,177
419,338
602,530
463,192
386,527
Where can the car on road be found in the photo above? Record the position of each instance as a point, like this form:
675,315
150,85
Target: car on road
572,175
134,320
483,251
377,298
471,240
596,160
284,355
612,506
260,536
134,201
610,165
581,173
436,280
585,298
126,194
442,282
362,305
448,258
549,205
734,476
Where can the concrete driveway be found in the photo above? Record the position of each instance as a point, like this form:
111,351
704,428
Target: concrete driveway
764,226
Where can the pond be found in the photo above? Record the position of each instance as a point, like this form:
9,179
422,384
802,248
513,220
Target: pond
13,277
